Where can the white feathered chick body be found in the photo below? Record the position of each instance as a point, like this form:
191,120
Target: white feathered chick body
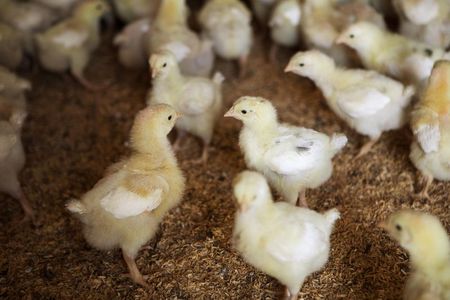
132,44
285,22
288,243
132,10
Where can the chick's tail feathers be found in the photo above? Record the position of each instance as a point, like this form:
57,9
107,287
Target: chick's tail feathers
332,216
76,207
338,141
218,79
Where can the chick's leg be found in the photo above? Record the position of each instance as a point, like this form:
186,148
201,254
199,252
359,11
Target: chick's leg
78,63
27,209
242,66
273,52
205,154
135,274
366,147
424,193
302,199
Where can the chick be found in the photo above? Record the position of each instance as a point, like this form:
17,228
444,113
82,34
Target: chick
70,43
390,53
227,24
369,102
11,46
428,245
292,158
170,31
132,44
198,99
63,7
263,9
323,20
132,10
425,20
286,242
285,25
430,123
11,85
124,209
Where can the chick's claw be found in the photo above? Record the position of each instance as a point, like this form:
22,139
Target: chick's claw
135,274
366,148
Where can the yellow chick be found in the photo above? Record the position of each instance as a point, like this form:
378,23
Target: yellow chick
199,99
170,31
390,53
11,46
428,245
368,101
425,20
227,24
69,44
286,242
292,158
430,123
131,10
124,209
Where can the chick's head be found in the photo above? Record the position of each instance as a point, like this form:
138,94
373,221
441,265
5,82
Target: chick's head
311,63
253,111
250,188
359,35
162,63
92,9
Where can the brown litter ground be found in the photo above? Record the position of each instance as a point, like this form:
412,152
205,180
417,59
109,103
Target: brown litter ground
72,135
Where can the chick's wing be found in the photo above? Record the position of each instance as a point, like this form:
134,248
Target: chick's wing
360,101
137,194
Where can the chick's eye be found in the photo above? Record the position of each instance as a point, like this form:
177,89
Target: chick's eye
164,65
398,227
352,36
169,117
243,111
302,65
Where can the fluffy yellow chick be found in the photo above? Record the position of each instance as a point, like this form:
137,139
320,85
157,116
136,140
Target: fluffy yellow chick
323,20
69,44
369,102
425,20
390,53
170,31
428,245
199,99
11,46
124,209
227,24
286,242
292,158
430,123
132,10
132,44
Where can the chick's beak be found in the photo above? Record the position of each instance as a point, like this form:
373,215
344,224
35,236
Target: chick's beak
179,115
154,72
383,225
340,40
243,208
289,68
230,113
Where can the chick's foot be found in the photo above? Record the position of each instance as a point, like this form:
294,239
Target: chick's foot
366,148
135,274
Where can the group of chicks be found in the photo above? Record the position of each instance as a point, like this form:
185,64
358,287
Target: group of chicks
286,240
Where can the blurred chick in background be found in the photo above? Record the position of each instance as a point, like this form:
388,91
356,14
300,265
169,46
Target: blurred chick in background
430,123
292,158
12,44
425,20
132,10
69,44
263,9
61,7
285,25
199,99
170,31
227,24
391,54
132,44
12,156
428,245
369,102
288,243
124,209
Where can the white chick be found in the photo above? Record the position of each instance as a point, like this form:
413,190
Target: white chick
292,158
390,53
322,21
132,10
124,209
428,245
170,31
430,123
132,44
11,46
285,25
199,99
70,43
263,9
427,21
286,242
369,102
227,24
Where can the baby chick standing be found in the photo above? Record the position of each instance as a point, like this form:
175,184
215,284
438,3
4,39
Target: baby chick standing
430,123
69,44
124,209
286,242
428,245
292,158
368,101
199,99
